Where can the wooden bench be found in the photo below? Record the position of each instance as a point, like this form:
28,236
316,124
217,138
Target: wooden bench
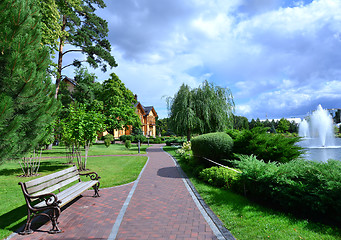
39,194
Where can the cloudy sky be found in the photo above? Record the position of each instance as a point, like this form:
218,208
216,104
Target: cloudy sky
280,58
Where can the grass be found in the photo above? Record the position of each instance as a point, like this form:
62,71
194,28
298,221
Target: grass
98,149
114,171
247,220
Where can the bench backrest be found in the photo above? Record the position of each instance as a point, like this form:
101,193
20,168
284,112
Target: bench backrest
52,182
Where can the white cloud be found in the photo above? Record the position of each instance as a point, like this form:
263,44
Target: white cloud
277,57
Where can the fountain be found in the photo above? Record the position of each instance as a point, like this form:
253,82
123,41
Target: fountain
319,130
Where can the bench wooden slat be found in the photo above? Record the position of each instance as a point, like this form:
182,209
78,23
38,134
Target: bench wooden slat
84,187
72,192
40,180
57,186
52,182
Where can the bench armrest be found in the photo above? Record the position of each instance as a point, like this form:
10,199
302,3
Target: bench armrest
92,175
50,199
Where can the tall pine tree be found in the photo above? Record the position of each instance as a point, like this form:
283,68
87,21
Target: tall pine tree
86,33
27,104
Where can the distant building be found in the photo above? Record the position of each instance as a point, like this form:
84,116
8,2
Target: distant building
147,115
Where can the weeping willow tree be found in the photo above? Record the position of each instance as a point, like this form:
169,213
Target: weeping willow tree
205,109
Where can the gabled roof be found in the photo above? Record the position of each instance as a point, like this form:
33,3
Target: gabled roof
146,109
72,81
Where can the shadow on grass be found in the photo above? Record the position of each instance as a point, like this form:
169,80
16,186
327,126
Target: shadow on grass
10,217
44,167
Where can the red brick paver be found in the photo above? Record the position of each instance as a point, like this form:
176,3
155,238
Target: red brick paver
160,208
87,217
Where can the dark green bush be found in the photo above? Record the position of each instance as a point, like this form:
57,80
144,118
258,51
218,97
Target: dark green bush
157,140
127,144
307,188
266,146
175,141
142,139
108,139
123,138
219,177
214,146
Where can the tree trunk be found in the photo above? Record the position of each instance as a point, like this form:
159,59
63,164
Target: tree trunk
60,59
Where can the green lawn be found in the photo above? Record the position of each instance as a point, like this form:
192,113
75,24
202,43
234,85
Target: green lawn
98,149
247,220
113,171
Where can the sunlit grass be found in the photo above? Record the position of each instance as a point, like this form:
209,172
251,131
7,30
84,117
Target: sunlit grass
98,149
112,170
247,220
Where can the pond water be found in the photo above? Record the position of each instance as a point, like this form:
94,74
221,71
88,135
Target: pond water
315,152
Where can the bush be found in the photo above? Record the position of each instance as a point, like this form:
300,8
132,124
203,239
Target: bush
307,188
185,152
266,146
108,139
220,177
215,146
174,141
157,140
124,138
142,139
127,144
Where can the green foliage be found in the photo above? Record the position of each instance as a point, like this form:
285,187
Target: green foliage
108,139
220,177
157,140
140,138
214,146
27,106
127,144
307,188
118,105
266,146
205,109
185,152
87,32
174,141
80,128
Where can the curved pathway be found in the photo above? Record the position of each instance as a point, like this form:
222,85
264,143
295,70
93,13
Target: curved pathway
158,205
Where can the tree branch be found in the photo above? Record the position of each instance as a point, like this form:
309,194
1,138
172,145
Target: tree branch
73,50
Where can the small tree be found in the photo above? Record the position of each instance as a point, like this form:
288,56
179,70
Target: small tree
80,128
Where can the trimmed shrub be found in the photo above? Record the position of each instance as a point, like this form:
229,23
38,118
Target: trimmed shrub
127,144
142,139
108,139
157,140
220,177
266,146
215,146
305,188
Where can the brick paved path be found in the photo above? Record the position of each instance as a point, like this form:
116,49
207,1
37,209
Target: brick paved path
160,207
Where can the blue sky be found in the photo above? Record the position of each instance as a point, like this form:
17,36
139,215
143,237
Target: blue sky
280,58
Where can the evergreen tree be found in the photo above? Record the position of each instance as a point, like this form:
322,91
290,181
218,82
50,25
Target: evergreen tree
27,105
86,32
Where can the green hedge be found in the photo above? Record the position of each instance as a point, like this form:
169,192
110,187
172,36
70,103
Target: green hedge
215,146
220,177
307,188
266,146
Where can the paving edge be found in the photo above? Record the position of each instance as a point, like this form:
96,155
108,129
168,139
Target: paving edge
120,216
226,234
